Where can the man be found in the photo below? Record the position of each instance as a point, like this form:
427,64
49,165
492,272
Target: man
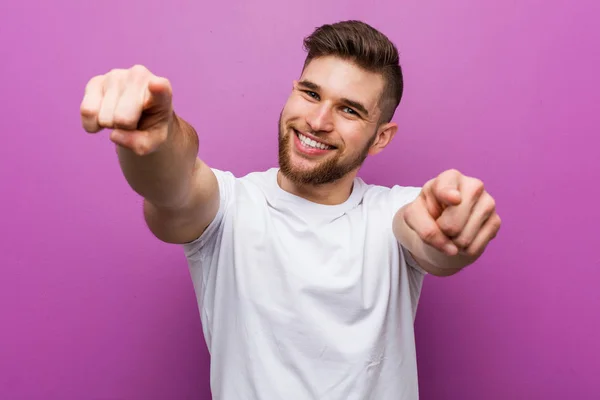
307,278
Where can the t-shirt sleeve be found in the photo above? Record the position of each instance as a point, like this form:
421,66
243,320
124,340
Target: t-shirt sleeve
226,181
399,197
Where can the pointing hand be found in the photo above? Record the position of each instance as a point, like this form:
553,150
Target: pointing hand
454,213
133,102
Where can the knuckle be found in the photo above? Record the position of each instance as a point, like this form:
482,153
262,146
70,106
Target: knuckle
122,119
429,234
168,84
94,81
105,121
496,224
491,205
87,110
451,228
462,242
114,77
105,118
142,147
472,251
109,80
452,172
138,73
115,71
138,68
476,185
427,186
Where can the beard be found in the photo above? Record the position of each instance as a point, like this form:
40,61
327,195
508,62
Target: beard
329,170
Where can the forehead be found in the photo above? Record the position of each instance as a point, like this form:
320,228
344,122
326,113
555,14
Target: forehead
343,79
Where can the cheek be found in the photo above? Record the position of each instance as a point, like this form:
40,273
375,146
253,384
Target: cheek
298,108
293,104
353,137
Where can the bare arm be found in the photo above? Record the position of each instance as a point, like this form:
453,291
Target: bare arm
157,150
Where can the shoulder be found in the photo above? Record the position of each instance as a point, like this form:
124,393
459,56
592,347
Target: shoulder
236,193
259,179
251,188
392,197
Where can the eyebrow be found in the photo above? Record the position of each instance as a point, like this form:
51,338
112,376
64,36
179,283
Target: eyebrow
354,104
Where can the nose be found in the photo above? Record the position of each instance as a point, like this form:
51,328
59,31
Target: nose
320,118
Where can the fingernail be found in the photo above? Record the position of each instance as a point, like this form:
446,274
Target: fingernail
450,249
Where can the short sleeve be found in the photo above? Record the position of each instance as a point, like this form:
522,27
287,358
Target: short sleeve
410,260
226,182
402,195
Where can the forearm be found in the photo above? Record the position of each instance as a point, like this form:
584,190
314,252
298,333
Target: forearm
164,176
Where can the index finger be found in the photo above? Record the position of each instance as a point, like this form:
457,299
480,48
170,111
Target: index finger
158,93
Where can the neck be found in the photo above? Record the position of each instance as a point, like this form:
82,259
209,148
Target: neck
333,193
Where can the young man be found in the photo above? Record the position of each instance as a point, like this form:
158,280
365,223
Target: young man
307,278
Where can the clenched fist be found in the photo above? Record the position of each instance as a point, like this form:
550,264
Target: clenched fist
133,102
454,214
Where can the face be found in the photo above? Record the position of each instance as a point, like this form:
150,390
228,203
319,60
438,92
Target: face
329,124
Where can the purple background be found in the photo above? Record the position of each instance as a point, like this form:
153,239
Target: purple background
93,307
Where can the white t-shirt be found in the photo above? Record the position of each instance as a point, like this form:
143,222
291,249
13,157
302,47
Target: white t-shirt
303,301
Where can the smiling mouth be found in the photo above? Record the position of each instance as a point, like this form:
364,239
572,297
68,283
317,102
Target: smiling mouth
312,144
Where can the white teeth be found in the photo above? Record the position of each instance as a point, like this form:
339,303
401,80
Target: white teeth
311,143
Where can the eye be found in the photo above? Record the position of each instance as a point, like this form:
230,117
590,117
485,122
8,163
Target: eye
350,111
312,94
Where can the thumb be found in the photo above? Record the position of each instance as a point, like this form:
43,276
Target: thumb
158,93
446,188
449,196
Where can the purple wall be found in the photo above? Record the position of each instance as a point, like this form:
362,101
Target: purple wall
93,307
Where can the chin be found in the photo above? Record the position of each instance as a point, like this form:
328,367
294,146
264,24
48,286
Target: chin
292,165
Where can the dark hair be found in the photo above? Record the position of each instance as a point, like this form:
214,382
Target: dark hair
364,45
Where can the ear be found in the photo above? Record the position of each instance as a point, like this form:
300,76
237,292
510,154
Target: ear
385,134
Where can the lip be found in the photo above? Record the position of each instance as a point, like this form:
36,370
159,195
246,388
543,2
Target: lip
306,150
